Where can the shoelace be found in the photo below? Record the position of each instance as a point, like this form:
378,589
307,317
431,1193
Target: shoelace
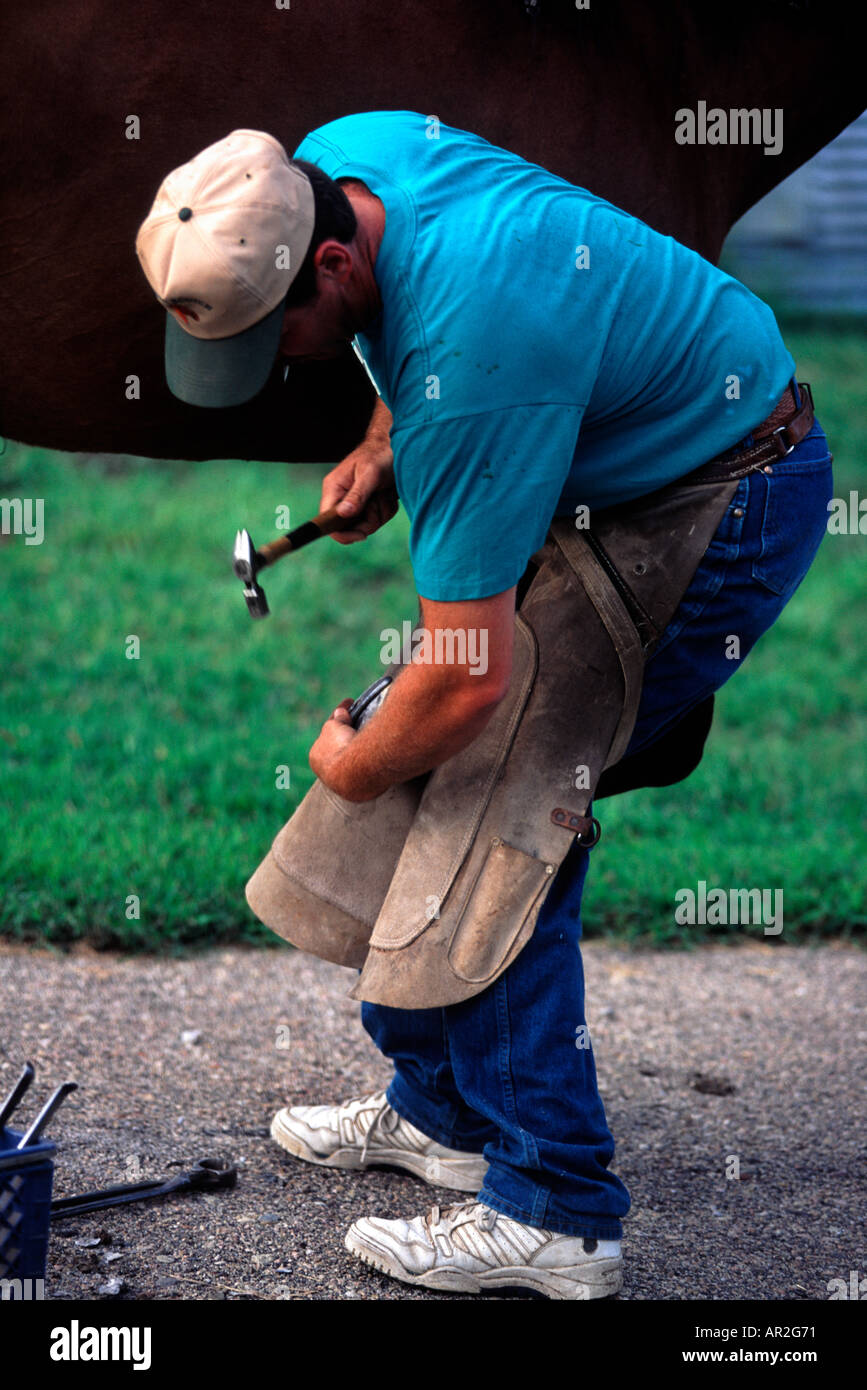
377,1122
456,1213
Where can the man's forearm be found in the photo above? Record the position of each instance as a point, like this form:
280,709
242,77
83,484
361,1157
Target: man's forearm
432,711
380,424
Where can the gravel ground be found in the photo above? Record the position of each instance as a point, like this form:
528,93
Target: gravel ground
755,1051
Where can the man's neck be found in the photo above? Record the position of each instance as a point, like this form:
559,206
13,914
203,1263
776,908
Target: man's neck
370,215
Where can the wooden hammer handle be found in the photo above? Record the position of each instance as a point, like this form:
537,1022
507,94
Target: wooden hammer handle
321,525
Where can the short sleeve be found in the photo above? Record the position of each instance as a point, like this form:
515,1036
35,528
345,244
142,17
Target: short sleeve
481,492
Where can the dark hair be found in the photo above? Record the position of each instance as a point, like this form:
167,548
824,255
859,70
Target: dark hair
334,220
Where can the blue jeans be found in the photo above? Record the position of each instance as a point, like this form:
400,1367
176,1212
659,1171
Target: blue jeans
505,1072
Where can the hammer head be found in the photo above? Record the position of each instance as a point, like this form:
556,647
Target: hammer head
245,564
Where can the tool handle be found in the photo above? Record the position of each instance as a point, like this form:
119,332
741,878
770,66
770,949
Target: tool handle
127,1192
95,1201
16,1095
321,525
208,1175
53,1103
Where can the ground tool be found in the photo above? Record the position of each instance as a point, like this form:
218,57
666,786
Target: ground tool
247,560
208,1175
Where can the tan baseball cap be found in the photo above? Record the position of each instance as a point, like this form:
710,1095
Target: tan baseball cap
224,240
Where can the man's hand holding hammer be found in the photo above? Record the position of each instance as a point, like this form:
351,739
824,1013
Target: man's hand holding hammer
363,484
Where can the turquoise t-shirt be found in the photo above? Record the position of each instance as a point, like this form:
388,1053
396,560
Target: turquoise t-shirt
538,348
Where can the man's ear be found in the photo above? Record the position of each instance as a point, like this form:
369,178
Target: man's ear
334,259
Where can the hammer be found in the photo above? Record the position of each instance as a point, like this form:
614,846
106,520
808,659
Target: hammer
247,560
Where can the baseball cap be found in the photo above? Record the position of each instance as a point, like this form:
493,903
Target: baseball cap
225,238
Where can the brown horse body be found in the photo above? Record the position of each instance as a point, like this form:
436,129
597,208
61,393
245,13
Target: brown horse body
589,93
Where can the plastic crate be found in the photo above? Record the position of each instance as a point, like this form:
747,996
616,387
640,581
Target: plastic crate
26,1178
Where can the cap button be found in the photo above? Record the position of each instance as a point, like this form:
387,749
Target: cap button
185,214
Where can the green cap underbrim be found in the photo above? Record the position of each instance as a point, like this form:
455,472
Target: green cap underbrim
222,371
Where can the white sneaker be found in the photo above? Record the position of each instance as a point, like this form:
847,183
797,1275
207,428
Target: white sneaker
469,1248
366,1132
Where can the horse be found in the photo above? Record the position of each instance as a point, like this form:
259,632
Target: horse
102,100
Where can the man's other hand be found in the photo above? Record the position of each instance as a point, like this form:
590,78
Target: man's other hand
362,486
334,737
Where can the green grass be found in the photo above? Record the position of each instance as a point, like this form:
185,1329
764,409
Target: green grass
156,777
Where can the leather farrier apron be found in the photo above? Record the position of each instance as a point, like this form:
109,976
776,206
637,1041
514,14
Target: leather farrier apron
434,887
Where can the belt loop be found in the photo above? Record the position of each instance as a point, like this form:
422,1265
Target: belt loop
796,393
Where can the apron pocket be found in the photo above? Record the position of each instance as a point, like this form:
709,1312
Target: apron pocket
509,886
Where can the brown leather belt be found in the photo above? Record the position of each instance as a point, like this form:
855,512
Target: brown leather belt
774,438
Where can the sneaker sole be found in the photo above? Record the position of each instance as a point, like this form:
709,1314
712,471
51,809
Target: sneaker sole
456,1174
578,1283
